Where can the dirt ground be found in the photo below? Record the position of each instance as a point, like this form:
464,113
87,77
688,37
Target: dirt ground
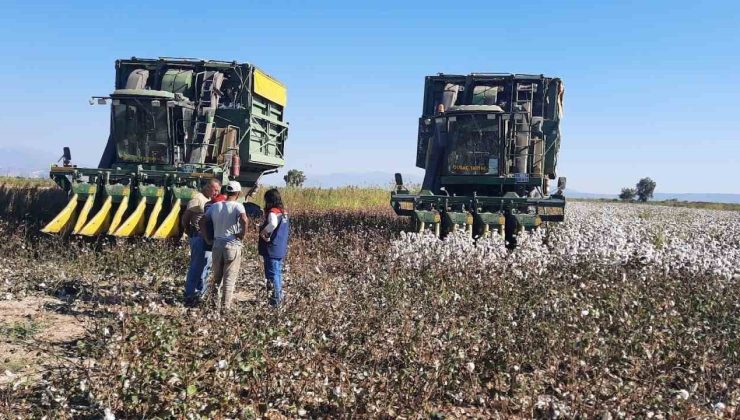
34,336
39,332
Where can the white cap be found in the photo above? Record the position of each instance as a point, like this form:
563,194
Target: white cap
233,187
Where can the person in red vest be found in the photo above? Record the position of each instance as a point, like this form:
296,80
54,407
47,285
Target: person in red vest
273,244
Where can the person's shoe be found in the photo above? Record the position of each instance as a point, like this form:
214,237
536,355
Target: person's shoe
191,302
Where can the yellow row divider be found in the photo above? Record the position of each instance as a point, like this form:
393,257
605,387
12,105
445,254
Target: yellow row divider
99,222
133,223
82,218
62,219
169,226
118,217
152,224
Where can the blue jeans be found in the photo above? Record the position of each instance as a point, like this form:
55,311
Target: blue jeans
196,283
274,276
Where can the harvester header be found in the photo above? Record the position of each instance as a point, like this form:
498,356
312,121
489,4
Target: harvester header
175,124
489,144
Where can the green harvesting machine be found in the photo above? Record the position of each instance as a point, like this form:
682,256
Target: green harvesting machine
175,123
489,145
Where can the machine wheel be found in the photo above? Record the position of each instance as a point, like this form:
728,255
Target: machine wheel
446,228
479,230
510,231
417,226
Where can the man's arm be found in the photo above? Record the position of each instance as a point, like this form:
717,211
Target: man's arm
190,210
185,221
203,228
243,220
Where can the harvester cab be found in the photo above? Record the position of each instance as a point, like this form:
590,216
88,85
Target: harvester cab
175,124
489,145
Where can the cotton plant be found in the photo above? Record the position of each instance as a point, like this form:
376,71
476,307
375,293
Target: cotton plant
659,239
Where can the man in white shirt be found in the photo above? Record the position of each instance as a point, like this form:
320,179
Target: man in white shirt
229,225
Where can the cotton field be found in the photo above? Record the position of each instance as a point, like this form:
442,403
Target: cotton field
623,311
651,239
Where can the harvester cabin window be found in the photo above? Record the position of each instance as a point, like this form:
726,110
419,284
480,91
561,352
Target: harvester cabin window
473,145
141,132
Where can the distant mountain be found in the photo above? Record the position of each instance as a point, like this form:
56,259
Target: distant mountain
15,161
385,179
589,196
343,179
658,196
706,197
364,179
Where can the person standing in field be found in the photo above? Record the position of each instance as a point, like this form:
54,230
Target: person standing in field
229,225
217,198
273,244
196,281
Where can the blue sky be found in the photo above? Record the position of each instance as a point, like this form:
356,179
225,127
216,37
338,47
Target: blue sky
652,88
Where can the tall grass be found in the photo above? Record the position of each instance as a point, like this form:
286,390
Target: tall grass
351,198
14,181
32,203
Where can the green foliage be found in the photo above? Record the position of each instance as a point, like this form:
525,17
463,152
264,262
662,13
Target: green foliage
659,238
20,330
646,214
627,194
645,188
294,178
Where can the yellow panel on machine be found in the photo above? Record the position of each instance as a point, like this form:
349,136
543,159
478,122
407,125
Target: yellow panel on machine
269,88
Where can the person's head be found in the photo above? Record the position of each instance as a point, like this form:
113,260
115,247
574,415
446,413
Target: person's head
232,190
211,188
273,199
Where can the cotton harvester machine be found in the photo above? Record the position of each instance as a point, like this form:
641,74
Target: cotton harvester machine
175,123
489,144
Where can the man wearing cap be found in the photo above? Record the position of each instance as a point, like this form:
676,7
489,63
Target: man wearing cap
196,282
229,225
